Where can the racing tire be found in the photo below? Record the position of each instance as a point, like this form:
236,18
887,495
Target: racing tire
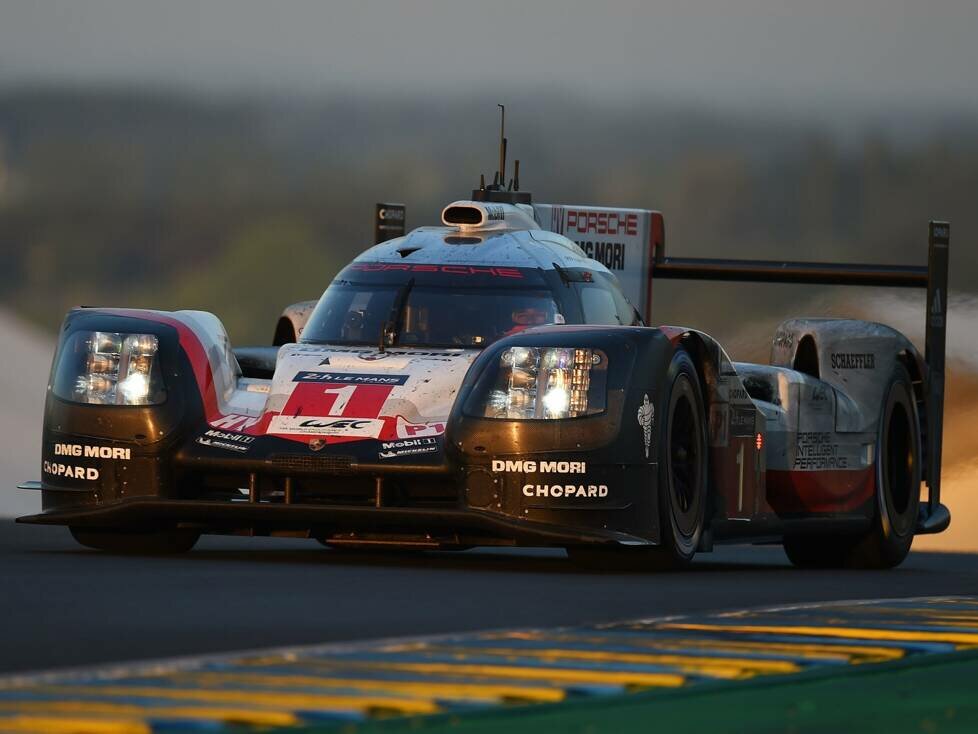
897,497
153,542
682,471
682,480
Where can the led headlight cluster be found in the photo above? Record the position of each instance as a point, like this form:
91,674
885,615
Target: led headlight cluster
110,368
547,383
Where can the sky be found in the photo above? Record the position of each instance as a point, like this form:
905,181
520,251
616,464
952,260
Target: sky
800,54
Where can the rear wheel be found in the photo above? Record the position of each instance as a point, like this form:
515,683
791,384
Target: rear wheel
898,477
682,480
154,542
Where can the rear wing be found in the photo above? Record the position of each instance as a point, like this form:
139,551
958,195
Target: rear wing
631,243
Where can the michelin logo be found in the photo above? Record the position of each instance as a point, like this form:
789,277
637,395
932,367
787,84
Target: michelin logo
646,419
225,440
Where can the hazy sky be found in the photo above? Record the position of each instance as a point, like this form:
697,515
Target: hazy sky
789,52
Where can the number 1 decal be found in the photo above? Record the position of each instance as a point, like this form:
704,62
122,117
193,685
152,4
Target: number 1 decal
343,395
333,400
740,488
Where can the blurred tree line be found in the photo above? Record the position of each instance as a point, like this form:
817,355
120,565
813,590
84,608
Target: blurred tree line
242,205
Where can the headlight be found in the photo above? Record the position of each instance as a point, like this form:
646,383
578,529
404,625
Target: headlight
109,368
547,383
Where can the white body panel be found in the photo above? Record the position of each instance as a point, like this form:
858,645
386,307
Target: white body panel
347,392
620,239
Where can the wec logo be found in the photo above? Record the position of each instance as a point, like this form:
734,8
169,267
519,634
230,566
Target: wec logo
345,423
298,425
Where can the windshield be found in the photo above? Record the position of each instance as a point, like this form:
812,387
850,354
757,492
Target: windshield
410,313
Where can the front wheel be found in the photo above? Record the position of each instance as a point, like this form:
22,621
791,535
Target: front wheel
154,542
682,459
682,480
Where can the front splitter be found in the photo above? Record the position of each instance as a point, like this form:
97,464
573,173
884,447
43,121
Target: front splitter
321,520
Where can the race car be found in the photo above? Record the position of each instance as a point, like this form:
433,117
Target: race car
496,380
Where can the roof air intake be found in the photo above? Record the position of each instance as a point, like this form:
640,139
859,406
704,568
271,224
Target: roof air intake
469,215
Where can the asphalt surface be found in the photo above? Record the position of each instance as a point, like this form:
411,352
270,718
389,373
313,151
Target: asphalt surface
64,606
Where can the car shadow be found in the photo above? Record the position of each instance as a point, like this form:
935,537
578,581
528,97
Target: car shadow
263,551
482,560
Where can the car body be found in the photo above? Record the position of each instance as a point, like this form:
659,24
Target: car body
489,381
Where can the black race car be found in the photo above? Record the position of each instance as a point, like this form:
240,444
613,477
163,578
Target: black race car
492,381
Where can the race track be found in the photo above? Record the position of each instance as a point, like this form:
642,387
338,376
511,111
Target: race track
65,606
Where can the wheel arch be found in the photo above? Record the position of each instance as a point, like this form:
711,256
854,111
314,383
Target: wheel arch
704,351
701,350
806,357
910,359
293,320
285,332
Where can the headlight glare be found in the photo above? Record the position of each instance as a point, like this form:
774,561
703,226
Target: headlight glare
547,383
110,368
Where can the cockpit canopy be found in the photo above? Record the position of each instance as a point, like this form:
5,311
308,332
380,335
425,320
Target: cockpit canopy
430,305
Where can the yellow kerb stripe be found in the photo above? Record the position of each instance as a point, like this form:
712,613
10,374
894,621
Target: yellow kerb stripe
428,689
562,675
250,716
55,725
276,700
717,667
851,633
813,651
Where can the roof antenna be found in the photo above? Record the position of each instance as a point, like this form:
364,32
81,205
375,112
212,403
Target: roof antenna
502,143
502,190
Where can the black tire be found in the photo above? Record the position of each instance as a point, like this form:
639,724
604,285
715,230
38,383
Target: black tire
898,477
683,456
682,480
153,542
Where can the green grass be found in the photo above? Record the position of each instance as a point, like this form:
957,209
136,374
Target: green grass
930,695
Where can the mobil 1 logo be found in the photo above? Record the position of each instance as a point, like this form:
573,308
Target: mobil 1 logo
408,447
